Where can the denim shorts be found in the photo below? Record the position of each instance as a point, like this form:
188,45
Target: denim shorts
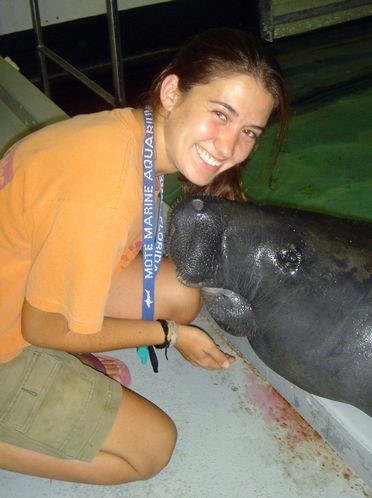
52,403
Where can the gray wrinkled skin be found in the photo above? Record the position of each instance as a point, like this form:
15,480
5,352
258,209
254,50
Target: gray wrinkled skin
298,285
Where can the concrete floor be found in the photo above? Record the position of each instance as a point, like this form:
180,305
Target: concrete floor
238,438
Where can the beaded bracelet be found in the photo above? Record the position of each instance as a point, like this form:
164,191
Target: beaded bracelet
173,329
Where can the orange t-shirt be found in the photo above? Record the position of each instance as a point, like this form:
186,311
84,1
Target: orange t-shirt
70,217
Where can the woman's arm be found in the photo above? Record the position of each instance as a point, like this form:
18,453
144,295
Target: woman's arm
50,330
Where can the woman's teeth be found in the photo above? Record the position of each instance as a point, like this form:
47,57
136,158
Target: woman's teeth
208,158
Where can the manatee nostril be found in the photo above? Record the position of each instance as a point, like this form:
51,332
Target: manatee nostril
197,204
290,259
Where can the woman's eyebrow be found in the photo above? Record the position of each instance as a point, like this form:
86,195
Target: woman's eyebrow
227,106
233,111
261,128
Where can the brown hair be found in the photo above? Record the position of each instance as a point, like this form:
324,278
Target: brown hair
220,52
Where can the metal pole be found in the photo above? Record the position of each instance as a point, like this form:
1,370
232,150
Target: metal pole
92,85
40,45
116,55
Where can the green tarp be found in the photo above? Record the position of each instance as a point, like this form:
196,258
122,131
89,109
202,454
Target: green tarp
326,164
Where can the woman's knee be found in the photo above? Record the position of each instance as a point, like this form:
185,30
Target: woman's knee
159,455
143,436
175,301
184,304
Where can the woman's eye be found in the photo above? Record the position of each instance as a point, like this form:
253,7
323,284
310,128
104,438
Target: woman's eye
221,115
250,134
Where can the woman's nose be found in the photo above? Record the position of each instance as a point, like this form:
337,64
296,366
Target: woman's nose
226,143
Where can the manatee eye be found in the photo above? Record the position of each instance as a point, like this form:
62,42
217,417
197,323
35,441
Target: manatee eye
197,204
290,258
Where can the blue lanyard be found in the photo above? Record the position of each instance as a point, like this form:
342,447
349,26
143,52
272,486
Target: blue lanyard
152,230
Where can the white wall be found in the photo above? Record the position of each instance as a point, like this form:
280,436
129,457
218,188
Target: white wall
15,15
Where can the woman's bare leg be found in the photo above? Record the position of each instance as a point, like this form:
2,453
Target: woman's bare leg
138,446
173,301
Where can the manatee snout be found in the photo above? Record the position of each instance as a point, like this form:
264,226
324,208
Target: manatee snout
193,242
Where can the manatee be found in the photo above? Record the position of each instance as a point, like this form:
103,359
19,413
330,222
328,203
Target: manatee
297,284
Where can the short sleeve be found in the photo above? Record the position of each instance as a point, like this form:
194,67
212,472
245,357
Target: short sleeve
72,268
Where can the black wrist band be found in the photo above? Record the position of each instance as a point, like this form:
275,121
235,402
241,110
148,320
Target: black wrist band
153,358
165,345
166,342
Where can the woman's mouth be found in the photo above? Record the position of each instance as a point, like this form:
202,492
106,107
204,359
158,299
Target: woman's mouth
207,158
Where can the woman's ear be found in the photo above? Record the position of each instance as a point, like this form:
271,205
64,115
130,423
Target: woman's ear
169,92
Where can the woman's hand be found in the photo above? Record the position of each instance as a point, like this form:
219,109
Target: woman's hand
200,350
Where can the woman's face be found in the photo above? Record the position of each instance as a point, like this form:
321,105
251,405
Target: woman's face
214,126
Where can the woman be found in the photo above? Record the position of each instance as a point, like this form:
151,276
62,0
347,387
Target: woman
72,209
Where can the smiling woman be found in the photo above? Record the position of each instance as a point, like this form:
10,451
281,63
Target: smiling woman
80,199
230,75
